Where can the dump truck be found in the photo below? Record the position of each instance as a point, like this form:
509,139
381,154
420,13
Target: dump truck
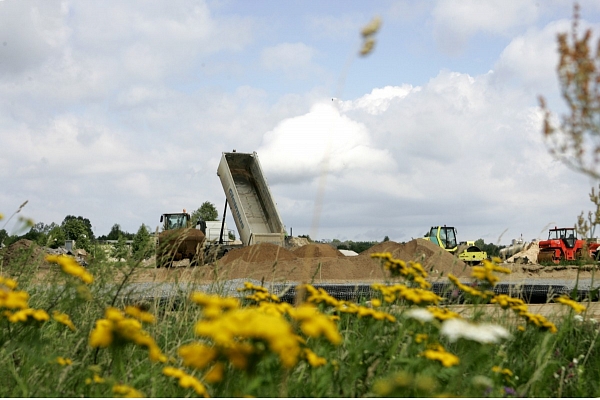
445,237
254,212
250,201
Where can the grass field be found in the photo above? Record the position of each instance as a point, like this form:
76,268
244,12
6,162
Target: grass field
73,337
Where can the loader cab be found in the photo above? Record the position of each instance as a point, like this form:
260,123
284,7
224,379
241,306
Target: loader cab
443,236
175,221
567,235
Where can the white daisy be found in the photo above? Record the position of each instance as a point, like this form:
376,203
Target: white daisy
420,314
456,329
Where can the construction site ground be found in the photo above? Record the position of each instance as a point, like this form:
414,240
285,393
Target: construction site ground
321,263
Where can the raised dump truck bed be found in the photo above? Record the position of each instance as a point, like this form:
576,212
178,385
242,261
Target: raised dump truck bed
250,201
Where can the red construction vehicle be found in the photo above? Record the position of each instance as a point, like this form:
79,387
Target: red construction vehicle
563,245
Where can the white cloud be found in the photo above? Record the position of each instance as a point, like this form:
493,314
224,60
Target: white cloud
379,99
455,21
322,141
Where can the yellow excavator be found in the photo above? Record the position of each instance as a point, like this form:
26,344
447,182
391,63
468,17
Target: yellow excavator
445,237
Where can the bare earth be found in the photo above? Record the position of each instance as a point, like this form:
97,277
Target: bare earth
318,263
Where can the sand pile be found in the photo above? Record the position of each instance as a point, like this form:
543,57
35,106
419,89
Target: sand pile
322,263
527,256
314,250
258,253
23,253
435,260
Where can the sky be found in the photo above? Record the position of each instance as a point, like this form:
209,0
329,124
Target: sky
119,111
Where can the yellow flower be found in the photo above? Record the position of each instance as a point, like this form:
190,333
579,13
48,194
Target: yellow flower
421,337
71,267
197,355
313,359
143,316
215,374
578,308
504,371
9,283
1,216
63,319
185,380
102,334
126,391
23,315
13,300
63,361
95,379
315,324
441,355
443,314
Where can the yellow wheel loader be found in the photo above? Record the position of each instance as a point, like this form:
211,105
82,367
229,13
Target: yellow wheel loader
445,237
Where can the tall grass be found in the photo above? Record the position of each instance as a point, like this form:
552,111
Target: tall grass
402,342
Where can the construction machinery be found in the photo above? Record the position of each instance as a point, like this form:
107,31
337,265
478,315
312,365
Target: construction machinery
178,240
563,245
250,201
445,237
254,212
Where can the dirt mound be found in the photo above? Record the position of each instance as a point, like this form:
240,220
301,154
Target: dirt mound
258,253
315,250
23,253
527,256
436,261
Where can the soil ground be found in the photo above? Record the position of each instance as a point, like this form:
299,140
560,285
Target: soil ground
314,262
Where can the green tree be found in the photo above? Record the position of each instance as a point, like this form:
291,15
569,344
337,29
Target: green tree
386,238
120,249
56,237
142,246
206,212
87,225
75,229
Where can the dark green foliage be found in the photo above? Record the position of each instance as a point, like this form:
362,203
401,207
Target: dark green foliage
491,249
206,212
142,246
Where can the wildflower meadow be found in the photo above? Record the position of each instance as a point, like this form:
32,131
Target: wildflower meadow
75,333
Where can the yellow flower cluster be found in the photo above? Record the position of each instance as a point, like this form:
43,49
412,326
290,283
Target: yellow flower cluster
412,272
438,353
412,295
504,371
317,296
24,314
442,314
63,319
140,315
96,379
578,308
539,320
468,289
214,305
520,308
260,294
10,298
313,359
252,324
486,272
315,324
361,311
115,325
506,301
71,267
63,361
126,391
186,380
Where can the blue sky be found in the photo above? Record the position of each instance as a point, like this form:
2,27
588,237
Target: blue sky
119,111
